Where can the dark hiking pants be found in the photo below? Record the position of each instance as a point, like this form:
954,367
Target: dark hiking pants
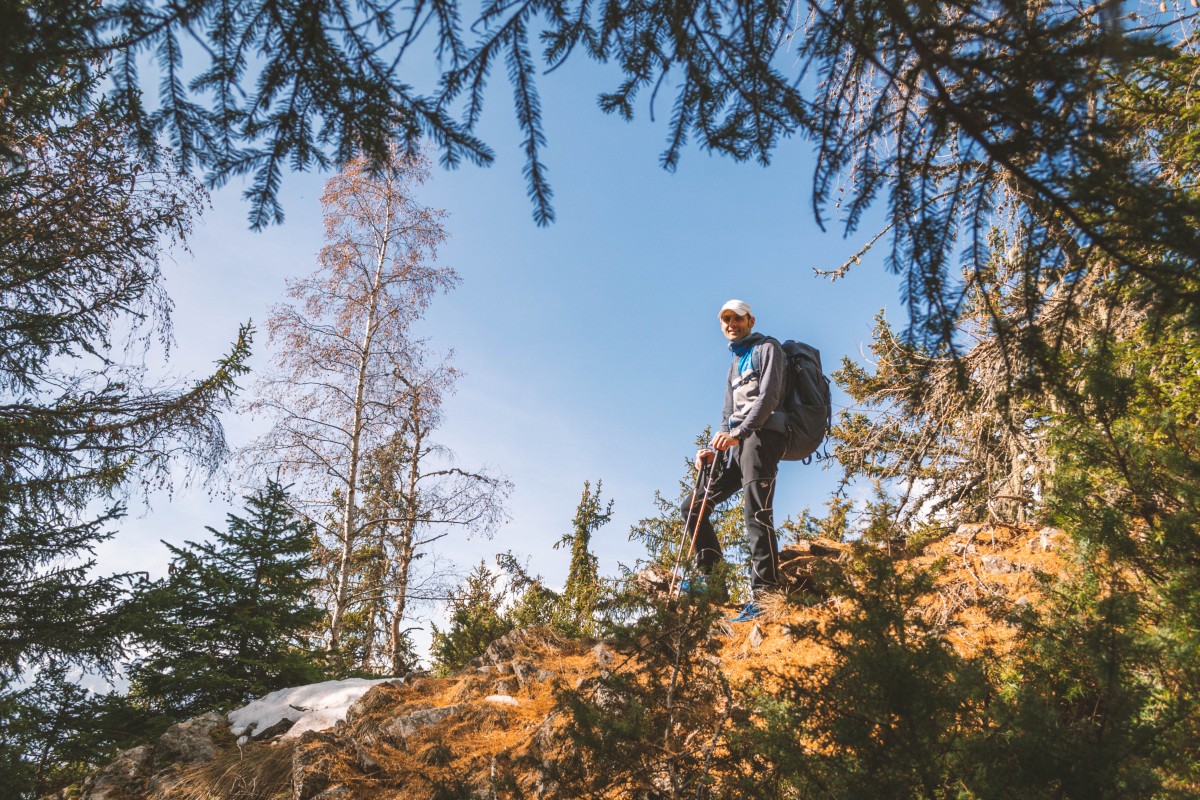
751,466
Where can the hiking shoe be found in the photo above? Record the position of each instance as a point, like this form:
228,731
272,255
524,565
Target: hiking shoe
694,586
750,611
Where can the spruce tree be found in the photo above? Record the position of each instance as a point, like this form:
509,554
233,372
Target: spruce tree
234,619
80,425
582,592
890,712
53,732
529,601
654,724
1090,703
83,425
476,620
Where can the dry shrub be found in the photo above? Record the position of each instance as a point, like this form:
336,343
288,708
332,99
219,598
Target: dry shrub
255,772
776,607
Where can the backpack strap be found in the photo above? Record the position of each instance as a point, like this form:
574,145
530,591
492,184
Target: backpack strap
754,353
749,376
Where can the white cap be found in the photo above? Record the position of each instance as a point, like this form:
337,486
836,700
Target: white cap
738,307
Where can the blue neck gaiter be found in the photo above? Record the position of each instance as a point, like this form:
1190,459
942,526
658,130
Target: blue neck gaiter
742,347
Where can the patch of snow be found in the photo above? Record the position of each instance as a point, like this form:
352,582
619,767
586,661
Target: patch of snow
315,707
502,700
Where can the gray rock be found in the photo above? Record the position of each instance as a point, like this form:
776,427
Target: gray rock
603,654
997,565
402,727
271,731
190,742
515,641
605,698
545,786
756,637
543,738
375,702
654,581
962,548
316,756
970,530
125,777
524,673
364,757
1047,539
506,686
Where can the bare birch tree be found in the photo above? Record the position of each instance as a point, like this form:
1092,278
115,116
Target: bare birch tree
417,497
348,370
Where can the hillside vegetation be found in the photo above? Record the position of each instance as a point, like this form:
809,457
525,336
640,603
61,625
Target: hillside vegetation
884,674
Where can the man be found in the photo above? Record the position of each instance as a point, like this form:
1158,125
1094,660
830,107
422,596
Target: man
744,455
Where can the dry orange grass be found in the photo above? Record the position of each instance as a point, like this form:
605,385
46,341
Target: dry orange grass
256,772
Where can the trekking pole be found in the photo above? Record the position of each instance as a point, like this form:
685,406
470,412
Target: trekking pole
705,477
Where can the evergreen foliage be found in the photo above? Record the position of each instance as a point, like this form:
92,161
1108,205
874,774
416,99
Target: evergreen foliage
1038,163
965,116
952,435
1099,696
283,86
83,226
53,732
583,591
891,712
1125,437
652,723
235,617
77,423
1087,706
477,619
482,610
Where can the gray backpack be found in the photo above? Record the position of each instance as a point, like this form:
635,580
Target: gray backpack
806,401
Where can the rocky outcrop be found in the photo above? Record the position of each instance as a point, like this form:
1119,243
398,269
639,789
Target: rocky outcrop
125,777
800,565
322,765
190,742
151,768
406,725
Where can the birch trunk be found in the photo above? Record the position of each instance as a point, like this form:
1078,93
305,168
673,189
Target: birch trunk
350,509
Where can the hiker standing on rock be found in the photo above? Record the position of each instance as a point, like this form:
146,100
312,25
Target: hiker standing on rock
744,455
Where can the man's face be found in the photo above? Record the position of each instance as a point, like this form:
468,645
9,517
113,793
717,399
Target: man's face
735,327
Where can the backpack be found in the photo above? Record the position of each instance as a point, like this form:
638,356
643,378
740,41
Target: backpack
806,401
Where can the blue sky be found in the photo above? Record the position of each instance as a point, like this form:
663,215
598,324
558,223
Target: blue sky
590,348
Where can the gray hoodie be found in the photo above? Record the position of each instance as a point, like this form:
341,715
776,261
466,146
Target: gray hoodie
754,388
